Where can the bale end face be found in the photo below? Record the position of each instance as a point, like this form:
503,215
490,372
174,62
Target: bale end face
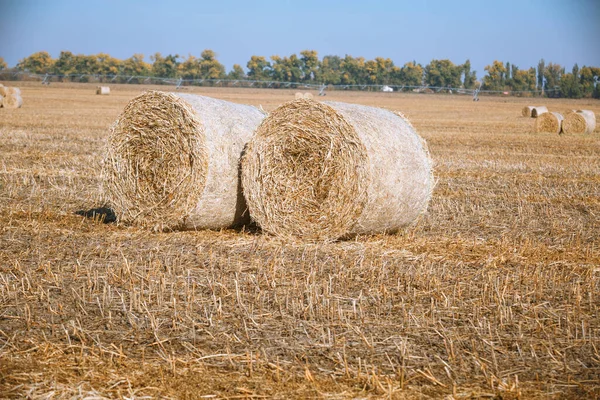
550,122
304,173
155,165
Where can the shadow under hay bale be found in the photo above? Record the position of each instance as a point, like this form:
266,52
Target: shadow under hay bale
172,161
323,171
580,121
102,214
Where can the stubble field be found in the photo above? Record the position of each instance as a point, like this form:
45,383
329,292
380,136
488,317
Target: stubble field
494,293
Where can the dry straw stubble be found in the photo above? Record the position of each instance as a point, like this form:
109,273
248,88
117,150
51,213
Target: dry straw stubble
581,121
172,161
548,122
322,171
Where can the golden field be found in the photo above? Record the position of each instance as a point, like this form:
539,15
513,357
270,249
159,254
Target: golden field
494,293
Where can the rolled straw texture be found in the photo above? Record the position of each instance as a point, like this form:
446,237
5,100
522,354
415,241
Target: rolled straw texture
12,100
537,111
526,111
172,161
323,171
103,90
548,122
581,121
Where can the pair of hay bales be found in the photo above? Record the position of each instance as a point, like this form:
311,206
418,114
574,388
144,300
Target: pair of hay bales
319,171
533,111
300,95
10,97
575,121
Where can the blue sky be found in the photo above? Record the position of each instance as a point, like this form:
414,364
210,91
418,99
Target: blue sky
520,32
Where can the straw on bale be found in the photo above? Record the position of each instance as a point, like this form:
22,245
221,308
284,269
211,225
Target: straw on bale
537,111
12,100
172,161
526,111
548,122
323,171
581,121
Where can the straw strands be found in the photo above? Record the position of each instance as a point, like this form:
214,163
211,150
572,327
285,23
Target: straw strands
10,97
548,122
172,161
322,171
526,111
581,121
537,111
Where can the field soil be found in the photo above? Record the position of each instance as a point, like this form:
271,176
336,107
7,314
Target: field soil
493,293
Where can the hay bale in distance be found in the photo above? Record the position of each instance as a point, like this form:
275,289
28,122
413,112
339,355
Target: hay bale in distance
308,95
1,101
581,121
299,95
3,91
104,90
172,161
322,171
12,100
537,111
548,122
526,111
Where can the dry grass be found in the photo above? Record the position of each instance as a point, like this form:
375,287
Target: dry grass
493,294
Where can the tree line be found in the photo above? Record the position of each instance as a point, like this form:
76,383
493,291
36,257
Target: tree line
547,79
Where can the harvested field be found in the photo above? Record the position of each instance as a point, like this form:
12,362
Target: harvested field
492,294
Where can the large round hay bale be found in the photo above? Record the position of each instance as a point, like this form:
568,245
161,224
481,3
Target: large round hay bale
526,111
172,161
12,100
323,171
3,91
537,111
581,121
104,90
548,122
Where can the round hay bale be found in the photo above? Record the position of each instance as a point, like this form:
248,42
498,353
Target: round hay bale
1,101
12,100
172,161
104,90
3,91
298,95
548,122
537,111
308,95
526,111
323,171
581,121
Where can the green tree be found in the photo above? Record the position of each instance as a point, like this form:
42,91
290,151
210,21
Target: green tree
135,66
411,74
540,74
258,68
2,64
353,70
309,65
443,74
236,73
330,70
210,67
469,76
164,67
107,65
494,80
552,75
37,63
66,64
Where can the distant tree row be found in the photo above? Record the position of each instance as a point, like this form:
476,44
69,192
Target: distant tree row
551,79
